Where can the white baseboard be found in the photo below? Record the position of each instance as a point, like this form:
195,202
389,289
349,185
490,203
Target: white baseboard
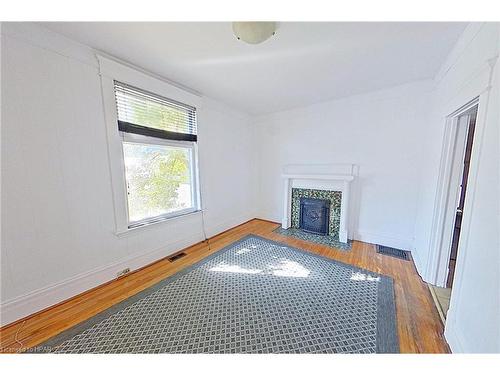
453,337
37,300
42,298
384,239
269,216
417,260
368,237
213,230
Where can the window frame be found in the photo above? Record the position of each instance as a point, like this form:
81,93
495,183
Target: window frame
111,70
193,169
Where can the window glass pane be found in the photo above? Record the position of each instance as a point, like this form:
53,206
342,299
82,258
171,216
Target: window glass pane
158,179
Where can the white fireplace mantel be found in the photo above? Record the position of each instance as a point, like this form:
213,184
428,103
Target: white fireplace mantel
323,181
337,177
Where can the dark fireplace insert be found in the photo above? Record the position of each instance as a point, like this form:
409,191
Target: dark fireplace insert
314,215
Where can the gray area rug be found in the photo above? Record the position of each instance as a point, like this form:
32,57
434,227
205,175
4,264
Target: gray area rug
254,296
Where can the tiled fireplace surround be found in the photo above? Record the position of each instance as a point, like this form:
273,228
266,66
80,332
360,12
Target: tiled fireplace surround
330,182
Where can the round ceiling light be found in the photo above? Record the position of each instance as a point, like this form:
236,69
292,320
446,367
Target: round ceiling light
254,32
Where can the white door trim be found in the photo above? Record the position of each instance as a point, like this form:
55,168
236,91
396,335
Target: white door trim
448,191
440,244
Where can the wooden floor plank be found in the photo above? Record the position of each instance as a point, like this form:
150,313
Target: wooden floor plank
419,326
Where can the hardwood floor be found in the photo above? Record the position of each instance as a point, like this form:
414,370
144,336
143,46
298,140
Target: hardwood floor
419,326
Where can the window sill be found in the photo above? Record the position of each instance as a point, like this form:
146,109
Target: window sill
139,228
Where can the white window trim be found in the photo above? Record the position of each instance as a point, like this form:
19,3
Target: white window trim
111,70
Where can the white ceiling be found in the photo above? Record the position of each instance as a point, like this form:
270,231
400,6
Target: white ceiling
303,64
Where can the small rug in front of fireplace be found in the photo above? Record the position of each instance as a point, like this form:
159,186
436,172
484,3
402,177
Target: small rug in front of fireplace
329,241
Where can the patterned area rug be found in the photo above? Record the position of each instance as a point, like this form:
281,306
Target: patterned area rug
254,296
329,241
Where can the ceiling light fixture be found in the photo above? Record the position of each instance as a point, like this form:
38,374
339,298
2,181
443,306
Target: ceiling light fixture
254,32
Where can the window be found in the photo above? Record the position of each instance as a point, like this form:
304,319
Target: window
159,150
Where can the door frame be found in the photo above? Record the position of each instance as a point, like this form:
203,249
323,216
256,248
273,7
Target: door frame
444,212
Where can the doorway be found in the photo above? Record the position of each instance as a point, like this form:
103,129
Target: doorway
470,127
464,124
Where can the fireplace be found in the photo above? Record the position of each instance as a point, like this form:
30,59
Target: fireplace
321,181
314,215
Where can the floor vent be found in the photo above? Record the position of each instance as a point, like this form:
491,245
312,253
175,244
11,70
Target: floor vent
401,254
177,256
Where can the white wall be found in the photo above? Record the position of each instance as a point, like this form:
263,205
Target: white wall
379,132
474,316
57,210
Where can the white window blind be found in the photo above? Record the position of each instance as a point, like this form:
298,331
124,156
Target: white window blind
142,112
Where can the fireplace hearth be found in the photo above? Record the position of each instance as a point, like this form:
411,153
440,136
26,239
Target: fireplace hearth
314,215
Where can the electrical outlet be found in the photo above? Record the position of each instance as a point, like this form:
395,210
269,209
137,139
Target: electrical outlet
123,272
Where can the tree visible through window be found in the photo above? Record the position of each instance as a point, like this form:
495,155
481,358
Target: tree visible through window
158,180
